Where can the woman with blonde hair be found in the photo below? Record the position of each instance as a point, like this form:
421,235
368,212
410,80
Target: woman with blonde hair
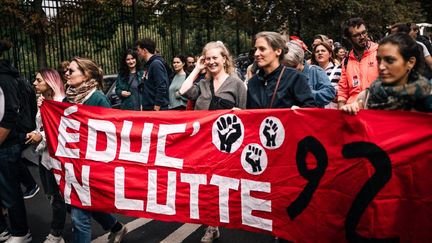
221,89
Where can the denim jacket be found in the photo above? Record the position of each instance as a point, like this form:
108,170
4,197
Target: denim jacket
322,90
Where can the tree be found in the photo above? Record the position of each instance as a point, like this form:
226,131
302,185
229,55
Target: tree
31,19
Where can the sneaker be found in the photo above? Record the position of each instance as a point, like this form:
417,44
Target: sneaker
31,192
211,234
5,235
20,239
117,237
54,239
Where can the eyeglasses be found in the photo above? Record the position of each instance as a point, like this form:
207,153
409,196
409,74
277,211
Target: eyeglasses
363,33
69,70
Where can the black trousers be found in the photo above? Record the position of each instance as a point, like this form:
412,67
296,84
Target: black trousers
10,191
57,203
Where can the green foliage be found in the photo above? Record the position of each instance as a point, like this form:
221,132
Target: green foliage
102,29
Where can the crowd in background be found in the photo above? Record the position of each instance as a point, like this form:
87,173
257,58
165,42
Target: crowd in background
281,72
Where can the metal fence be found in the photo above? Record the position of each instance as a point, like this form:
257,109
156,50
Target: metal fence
90,34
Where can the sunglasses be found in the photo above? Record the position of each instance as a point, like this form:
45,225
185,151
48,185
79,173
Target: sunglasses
70,70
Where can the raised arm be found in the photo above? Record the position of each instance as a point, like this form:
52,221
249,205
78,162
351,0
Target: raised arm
187,84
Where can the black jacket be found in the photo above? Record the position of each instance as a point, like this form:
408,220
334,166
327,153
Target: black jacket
293,90
155,84
8,100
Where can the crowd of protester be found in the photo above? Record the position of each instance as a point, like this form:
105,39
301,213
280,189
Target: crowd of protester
393,74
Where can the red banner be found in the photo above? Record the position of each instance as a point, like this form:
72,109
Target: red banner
309,175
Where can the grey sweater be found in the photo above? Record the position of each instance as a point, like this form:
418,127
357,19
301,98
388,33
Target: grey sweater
232,89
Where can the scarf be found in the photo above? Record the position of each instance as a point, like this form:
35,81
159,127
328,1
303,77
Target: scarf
78,95
401,97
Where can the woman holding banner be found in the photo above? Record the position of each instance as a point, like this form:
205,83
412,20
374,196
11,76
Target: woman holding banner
84,78
400,85
276,86
49,84
221,89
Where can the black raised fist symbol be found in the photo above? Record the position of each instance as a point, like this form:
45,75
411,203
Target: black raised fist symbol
253,157
229,131
269,132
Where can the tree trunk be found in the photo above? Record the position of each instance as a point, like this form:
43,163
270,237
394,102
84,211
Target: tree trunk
39,33
182,28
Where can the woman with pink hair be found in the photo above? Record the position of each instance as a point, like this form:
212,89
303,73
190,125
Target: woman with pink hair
49,84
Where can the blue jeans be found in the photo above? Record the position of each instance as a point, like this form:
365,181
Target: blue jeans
81,223
10,191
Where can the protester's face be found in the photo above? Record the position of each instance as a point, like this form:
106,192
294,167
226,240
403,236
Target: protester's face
341,54
41,86
393,69
177,64
359,37
264,53
322,55
214,61
130,61
190,62
74,76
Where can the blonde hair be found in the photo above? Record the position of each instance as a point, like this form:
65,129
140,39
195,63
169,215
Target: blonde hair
90,69
229,63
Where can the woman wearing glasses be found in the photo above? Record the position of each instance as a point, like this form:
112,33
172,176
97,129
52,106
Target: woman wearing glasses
84,78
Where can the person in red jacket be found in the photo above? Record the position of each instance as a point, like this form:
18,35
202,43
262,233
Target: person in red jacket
360,68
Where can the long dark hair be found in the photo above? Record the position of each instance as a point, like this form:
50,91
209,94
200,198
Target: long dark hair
124,70
408,48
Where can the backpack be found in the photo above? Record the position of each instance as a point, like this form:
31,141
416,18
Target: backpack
26,121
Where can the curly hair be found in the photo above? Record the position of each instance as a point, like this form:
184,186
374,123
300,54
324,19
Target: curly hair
351,23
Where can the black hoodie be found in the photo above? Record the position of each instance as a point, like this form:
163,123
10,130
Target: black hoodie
9,102
155,84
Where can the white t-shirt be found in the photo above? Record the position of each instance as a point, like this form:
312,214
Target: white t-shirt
425,50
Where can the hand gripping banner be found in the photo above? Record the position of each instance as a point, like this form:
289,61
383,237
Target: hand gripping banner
308,175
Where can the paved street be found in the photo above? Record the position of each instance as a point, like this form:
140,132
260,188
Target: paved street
140,230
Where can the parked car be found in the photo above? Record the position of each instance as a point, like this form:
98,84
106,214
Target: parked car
109,84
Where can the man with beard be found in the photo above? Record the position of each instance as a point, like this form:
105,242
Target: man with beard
360,68
190,63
